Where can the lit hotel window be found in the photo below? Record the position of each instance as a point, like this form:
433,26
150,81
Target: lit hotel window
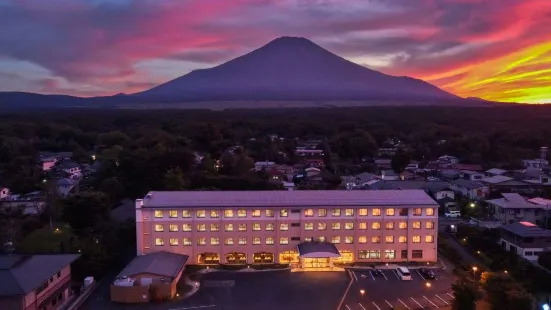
283,227
336,240
173,214
283,212
229,227
322,212
362,225
270,240
349,225
322,226
390,211
362,212
417,211
186,241
256,227
376,212
214,241
270,227
201,227
362,239
402,239
214,227
256,213
308,226
159,241
390,254
269,213
201,213
389,225
308,239
186,227
242,241
256,240
228,213
201,241
173,241
336,226
172,227
228,241
430,211
242,227
159,227
376,225
283,240
403,225
321,239
241,213
429,239
336,212
159,214
429,225
416,239
416,225
348,212
309,212
186,213
389,239
349,240
376,239
214,213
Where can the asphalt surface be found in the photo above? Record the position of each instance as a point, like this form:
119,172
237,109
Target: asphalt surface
387,291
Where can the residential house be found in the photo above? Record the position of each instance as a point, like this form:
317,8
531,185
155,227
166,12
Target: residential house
413,165
198,157
449,174
534,176
513,207
387,151
495,171
449,159
47,160
535,163
153,276
470,189
471,175
311,162
66,187
35,281
503,183
525,239
382,164
276,176
30,204
263,165
389,175
4,192
302,151
70,168
361,180
470,167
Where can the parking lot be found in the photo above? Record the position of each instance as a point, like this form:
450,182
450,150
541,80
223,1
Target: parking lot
388,291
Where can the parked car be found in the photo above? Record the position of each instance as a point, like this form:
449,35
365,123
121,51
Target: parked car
452,214
376,272
427,274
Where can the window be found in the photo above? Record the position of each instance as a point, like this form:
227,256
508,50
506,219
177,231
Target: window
159,241
389,239
376,225
214,213
308,239
283,213
349,225
389,225
402,239
228,241
186,241
295,224
242,241
283,226
429,239
242,227
390,211
269,213
214,227
309,212
308,226
201,213
270,240
376,239
283,240
159,227
376,212
322,226
322,212
214,241
403,225
228,213
390,254
369,254
417,211
270,227
429,225
416,239
416,225
241,213
429,211
322,239
256,213
362,225
228,227
186,213
362,212
159,214
417,254
404,254
256,227
348,239
173,214
362,239
173,241
336,240
256,240
336,226
348,212
295,211
201,227
403,212
186,227
201,241
336,212
172,227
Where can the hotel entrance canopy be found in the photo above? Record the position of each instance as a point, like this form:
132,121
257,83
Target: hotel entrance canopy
317,250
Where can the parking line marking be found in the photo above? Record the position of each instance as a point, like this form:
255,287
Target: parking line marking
371,274
354,276
389,304
346,292
361,305
197,307
415,301
384,275
450,295
403,303
396,274
430,301
422,278
347,307
373,304
442,300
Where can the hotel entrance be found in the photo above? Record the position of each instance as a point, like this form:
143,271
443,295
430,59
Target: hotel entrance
316,263
317,255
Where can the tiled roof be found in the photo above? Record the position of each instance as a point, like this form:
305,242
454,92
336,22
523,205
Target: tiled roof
513,200
21,274
287,198
525,229
467,184
496,171
162,263
496,179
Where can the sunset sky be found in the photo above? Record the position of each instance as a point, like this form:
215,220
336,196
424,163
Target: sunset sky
493,49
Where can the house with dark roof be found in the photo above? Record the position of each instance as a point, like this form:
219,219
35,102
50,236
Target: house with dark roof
470,189
35,281
153,276
525,239
513,207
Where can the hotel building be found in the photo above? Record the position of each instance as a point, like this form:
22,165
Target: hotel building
303,228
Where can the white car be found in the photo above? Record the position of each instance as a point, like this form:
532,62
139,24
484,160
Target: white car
452,214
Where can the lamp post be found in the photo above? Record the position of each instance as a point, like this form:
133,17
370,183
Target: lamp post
475,269
427,285
362,292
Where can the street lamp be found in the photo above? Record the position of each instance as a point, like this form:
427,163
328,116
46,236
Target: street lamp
475,269
362,292
472,205
427,285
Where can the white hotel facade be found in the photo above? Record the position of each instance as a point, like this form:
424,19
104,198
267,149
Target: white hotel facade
307,228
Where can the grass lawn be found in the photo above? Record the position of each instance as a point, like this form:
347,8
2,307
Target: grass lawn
44,240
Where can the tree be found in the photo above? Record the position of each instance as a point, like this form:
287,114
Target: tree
504,293
400,161
53,202
113,188
85,210
466,294
174,180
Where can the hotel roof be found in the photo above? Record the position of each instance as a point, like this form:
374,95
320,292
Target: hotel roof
287,198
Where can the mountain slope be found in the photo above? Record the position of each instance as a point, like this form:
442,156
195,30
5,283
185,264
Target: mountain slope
291,68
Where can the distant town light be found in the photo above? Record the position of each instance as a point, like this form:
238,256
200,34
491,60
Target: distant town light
93,157
472,205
